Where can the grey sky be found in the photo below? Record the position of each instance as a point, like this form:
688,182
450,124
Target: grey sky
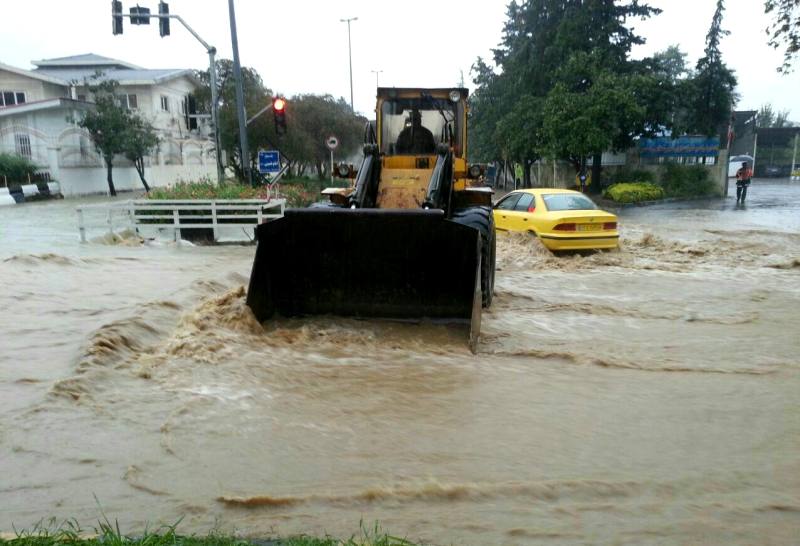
300,46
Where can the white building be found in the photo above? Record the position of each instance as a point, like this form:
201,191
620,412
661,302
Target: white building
37,106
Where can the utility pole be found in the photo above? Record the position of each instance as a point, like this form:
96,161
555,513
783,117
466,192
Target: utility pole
376,72
164,15
350,56
237,75
794,156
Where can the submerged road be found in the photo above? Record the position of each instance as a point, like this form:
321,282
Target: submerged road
645,396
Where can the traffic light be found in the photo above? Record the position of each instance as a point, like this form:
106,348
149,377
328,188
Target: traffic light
163,22
279,112
140,16
116,17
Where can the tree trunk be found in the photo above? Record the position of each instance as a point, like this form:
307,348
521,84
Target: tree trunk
111,190
139,164
320,173
526,173
597,159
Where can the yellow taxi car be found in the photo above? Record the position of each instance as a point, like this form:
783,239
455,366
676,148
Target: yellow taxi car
562,219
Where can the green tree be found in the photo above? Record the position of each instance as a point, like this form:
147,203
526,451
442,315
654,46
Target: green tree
712,90
107,124
785,29
539,37
591,111
316,117
141,140
769,117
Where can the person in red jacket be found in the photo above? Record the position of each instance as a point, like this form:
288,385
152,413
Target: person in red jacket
743,176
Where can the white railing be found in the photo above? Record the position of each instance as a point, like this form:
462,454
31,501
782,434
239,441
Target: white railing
176,215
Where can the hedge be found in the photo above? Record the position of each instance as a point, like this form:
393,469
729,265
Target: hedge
634,192
16,168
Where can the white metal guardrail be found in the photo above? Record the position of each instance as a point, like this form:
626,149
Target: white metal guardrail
176,215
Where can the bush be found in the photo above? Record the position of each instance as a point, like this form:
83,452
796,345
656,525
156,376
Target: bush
687,181
635,192
296,193
16,168
631,176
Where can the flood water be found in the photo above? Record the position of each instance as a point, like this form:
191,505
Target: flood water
646,396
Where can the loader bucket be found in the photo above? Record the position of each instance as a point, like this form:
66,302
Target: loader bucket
381,263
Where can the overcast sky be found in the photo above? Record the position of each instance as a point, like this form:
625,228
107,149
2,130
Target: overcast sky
300,46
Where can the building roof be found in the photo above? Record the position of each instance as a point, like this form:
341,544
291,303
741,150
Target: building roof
85,60
31,74
125,76
68,71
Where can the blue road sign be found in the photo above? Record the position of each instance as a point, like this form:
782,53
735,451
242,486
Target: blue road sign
269,162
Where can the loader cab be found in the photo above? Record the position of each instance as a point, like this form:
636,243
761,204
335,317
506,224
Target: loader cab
415,122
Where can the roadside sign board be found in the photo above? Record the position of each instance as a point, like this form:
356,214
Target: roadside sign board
269,161
332,142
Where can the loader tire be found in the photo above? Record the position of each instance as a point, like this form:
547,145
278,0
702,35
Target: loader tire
482,219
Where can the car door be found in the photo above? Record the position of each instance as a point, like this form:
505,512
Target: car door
503,211
521,216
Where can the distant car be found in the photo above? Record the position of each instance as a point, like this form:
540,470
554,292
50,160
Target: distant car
561,219
778,171
735,164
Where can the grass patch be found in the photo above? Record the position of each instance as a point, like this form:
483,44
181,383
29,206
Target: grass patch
69,533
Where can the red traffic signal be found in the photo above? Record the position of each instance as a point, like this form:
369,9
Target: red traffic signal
279,114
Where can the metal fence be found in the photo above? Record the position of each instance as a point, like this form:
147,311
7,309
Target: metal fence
180,218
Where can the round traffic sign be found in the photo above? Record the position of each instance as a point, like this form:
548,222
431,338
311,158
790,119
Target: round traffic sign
332,142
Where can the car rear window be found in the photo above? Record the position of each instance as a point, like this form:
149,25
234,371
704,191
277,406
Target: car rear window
568,201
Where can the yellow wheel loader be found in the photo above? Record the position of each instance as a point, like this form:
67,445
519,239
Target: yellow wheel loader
412,238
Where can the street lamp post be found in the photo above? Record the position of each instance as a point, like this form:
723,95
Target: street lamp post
350,56
376,72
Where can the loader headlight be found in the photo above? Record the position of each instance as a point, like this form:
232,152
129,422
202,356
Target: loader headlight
455,95
474,171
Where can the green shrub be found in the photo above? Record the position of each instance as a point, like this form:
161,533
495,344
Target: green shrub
635,192
16,168
631,176
687,181
297,193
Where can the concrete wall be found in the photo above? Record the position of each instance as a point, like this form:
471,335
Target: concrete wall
87,181
548,173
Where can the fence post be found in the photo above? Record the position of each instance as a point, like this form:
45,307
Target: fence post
110,220
81,226
214,219
260,214
176,230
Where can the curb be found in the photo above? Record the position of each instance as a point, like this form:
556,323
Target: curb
19,194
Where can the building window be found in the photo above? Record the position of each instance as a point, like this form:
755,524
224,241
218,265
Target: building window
82,98
165,103
189,111
129,101
10,98
23,145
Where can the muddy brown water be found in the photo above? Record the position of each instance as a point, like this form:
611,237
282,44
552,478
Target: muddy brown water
646,396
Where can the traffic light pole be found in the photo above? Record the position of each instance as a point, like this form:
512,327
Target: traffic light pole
244,158
212,74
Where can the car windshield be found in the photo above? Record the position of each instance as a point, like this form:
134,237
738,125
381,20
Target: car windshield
568,201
